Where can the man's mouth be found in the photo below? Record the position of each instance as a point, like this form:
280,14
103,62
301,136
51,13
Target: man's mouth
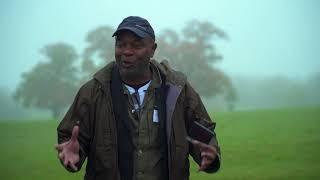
126,64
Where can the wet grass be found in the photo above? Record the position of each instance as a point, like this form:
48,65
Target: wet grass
268,144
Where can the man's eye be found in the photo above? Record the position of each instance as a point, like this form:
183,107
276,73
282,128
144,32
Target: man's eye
137,45
119,45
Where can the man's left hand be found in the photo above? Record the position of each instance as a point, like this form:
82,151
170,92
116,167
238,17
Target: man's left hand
208,154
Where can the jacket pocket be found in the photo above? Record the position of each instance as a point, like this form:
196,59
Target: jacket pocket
104,159
182,162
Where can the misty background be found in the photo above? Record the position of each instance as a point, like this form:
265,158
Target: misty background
268,50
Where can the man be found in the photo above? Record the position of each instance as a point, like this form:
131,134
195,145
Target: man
132,119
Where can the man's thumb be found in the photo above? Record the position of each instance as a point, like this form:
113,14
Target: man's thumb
75,132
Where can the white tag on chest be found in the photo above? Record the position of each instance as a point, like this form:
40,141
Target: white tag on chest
155,117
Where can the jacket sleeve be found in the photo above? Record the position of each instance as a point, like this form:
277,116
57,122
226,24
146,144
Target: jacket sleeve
195,111
78,114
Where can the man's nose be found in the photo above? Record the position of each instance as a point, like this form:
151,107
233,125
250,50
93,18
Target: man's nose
128,51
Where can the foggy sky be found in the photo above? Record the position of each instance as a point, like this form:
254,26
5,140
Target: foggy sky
275,37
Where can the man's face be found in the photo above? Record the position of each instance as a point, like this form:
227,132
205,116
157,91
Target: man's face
133,54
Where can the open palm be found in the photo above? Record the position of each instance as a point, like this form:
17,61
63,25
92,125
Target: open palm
68,152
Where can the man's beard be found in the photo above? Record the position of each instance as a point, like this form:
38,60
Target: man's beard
135,72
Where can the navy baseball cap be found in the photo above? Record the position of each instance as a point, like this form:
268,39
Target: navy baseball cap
138,25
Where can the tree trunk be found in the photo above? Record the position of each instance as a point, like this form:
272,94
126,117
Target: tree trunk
56,112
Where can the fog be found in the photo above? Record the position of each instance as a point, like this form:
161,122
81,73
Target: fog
271,52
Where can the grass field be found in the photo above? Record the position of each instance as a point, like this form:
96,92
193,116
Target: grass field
268,144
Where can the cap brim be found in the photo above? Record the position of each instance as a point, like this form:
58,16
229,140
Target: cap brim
136,31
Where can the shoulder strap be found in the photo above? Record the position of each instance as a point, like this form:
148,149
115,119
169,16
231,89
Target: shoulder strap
161,103
124,127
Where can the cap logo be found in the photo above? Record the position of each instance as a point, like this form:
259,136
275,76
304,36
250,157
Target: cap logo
141,27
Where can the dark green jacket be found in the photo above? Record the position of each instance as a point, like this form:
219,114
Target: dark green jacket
93,110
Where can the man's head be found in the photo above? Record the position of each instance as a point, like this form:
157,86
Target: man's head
135,45
138,25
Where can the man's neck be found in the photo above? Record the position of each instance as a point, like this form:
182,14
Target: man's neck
136,87
139,81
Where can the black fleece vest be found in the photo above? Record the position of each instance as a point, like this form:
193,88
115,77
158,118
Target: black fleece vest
124,125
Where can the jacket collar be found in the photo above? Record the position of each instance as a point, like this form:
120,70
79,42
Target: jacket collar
103,76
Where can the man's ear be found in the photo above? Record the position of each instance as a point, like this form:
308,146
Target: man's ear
154,47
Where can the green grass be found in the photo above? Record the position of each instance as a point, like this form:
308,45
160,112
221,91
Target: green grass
269,144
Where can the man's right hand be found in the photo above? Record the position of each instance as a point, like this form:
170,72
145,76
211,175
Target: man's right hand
68,152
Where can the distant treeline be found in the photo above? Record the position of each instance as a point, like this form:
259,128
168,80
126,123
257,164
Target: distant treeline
11,110
272,92
253,93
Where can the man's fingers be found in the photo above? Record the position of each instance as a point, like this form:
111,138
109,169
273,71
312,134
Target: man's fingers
204,147
61,156
65,162
208,155
204,164
58,147
73,166
75,132
197,144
